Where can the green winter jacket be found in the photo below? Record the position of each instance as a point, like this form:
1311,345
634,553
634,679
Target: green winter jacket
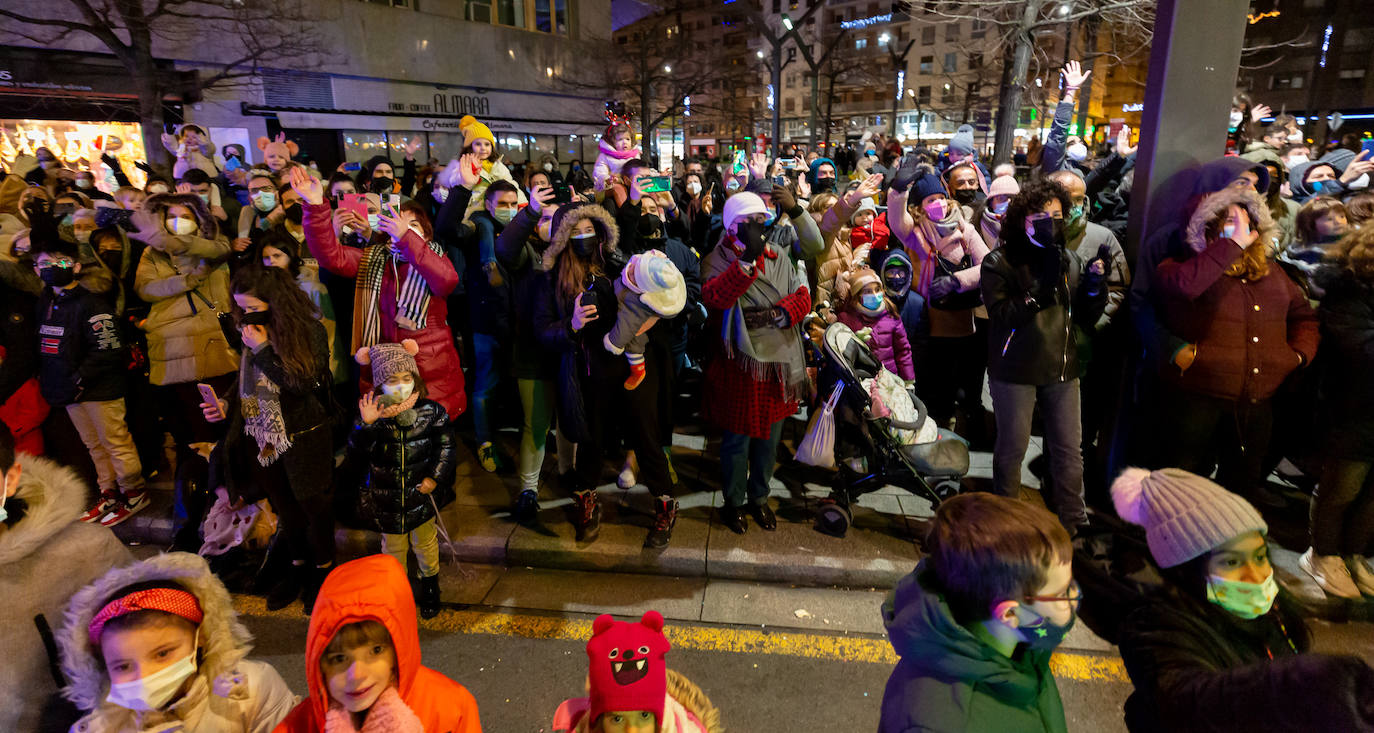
949,680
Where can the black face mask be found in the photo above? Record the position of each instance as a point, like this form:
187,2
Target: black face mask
1048,233
112,259
966,196
295,213
824,185
381,185
57,276
585,246
260,318
752,232
650,228
896,283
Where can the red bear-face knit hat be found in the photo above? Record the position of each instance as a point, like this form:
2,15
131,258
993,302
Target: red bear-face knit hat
627,670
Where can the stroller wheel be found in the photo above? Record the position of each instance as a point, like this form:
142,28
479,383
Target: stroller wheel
947,489
833,518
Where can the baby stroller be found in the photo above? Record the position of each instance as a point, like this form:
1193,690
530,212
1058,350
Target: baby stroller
895,443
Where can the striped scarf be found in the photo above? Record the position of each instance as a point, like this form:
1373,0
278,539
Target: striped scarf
412,295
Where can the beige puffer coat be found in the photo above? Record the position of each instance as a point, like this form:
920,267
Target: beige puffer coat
837,256
177,276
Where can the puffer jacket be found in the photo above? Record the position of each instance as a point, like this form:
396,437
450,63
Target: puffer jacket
1196,667
1033,341
1347,315
177,275
42,534
837,254
375,588
228,693
1248,333
80,352
393,459
888,342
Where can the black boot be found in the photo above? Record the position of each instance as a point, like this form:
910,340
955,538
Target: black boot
733,518
588,517
314,579
287,589
429,596
665,516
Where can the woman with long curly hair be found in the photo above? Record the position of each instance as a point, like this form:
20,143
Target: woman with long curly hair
1247,327
278,445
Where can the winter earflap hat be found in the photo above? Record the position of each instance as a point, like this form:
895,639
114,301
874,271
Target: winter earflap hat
865,205
849,284
1184,515
626,670
389,359
741,205
473,130
1004,186
658,282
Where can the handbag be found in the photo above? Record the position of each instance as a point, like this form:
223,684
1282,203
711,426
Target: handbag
226,321
817,447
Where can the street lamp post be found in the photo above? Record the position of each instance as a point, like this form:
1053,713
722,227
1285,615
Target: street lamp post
776,42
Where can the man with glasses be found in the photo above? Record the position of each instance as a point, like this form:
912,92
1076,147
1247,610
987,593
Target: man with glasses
975,622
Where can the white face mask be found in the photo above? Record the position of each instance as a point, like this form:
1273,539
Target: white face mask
82,237
398,392
1077,152
1295,160
1236,118
693,187
181,226
1295,137
157,689
548,166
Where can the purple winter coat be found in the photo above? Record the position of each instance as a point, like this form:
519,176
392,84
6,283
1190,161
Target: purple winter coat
889,343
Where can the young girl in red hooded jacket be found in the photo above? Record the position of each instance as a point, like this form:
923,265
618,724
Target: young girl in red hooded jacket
362,661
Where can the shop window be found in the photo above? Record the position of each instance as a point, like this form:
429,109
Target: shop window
444,146
359,145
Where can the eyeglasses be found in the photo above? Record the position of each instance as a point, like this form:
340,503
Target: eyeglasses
1074,596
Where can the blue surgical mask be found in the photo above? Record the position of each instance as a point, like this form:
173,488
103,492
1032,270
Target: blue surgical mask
1000,207
1316,186
1229,231
265,201
871,302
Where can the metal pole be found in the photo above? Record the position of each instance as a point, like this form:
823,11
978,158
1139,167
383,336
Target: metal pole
777,87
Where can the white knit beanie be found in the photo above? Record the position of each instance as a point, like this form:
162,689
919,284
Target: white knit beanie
1184,515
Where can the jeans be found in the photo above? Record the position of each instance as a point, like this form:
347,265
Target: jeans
537,399
1013,406
486,376
1343,509
425,540
106,436
745,460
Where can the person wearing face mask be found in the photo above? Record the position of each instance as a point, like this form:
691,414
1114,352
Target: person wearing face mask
193,149
1036,291
403,284
894,266
1207,650
948,252
263,212
157,645
756,370
821,176
1315,178
865,306
481,144
987,217
966,185
697,201
38,532
85,183
489,307
1215,402
976,610
1056,153
277,443
197,182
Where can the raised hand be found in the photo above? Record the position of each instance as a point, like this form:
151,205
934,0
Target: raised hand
1358,167
540,196
758,165
185,188
870,186
469,170
1074,76
368,409
1124,147
390,222
306,185
411,146
1259,112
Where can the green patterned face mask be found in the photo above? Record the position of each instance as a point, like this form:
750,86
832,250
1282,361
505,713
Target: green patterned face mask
1246,600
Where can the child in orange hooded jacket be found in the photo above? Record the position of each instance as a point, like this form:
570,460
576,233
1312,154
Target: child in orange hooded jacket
362,658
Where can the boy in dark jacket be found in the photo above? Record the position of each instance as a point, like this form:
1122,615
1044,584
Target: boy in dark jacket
976,621
81,367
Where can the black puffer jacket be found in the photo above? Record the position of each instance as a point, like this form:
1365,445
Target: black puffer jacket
1197,667
81,354
1032,309
393,459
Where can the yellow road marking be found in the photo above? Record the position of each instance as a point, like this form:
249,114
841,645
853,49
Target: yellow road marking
1064,665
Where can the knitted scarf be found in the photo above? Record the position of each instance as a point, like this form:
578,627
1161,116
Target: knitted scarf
260,405
389,714
412,295
990,226
767,354
395,409
929,234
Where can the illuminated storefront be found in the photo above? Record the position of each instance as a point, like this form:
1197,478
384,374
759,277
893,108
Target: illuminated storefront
78,145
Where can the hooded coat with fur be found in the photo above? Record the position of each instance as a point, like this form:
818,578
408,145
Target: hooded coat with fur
177,275
1249,332
41,534
228,694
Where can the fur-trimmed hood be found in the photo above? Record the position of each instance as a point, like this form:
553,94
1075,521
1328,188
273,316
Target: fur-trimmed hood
52,494
1215,206
224,642
157,206
567,217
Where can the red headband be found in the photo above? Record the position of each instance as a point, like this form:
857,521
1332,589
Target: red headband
169,600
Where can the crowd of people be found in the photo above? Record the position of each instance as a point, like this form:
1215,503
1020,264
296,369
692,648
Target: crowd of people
312,345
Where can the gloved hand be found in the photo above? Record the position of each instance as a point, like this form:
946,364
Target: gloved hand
1098,269
752,235
943,286
906,173
784,198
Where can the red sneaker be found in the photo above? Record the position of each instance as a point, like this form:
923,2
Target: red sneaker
104,505
125,509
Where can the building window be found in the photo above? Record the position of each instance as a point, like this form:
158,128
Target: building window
927,64
928,35
980,28
951,31
975,61
882,40
860,43
478,11
951,62
510,12
546,16
947,94
923,95
1286,81
1352,75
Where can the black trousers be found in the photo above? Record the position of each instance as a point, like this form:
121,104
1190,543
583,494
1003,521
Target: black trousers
611,408
1197,432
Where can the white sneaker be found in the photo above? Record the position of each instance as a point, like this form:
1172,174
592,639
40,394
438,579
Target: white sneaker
1364,574
1330,572
626,479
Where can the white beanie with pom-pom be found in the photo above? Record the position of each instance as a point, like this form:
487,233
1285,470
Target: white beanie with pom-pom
1184,515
